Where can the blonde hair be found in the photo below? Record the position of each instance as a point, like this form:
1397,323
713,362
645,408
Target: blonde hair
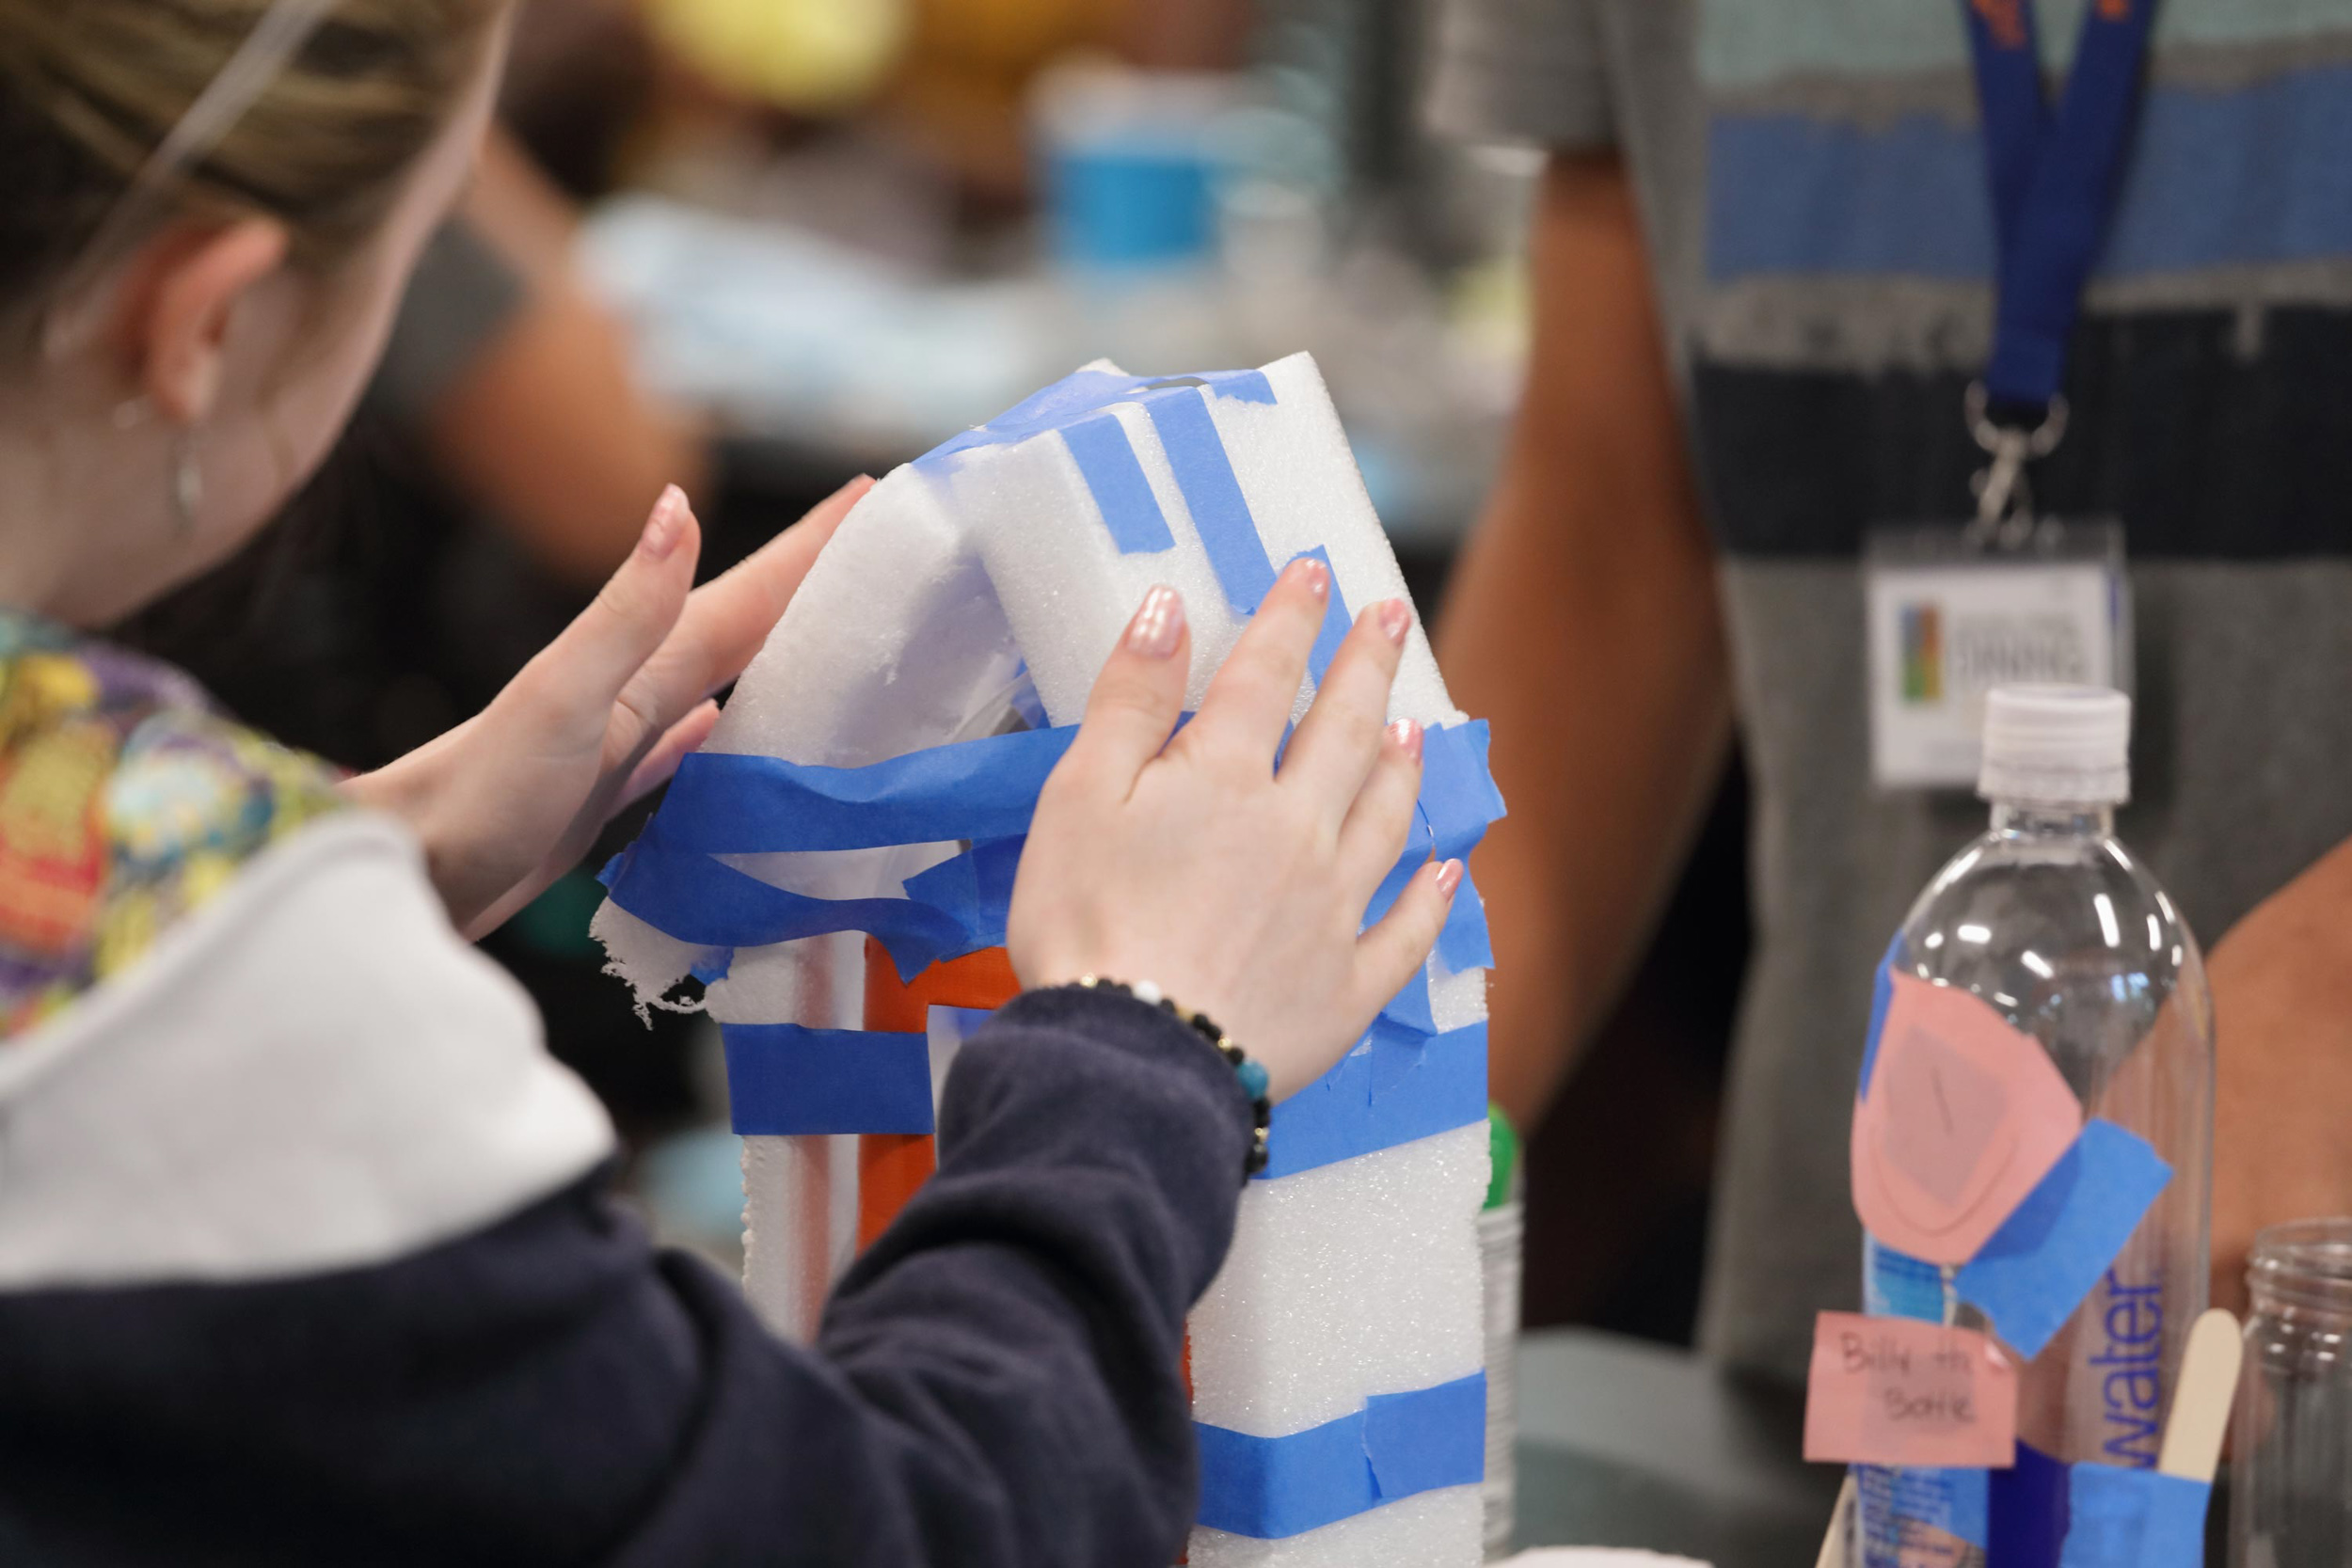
90,88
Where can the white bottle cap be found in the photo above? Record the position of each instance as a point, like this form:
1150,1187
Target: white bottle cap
2057,745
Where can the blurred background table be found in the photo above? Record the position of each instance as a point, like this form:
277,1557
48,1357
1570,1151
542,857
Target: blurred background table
1628,1443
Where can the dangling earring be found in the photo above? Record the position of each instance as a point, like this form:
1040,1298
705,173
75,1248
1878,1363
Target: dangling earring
188,475
187,482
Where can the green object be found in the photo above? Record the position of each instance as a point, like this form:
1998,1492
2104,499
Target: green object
556,922
1504,1143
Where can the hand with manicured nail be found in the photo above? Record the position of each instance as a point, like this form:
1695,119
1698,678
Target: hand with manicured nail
511,800
1198,866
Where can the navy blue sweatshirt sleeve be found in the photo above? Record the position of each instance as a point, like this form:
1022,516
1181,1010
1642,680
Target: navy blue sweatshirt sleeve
997,1380
995,1383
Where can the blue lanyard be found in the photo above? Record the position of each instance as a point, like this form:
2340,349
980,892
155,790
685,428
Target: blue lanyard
2054,177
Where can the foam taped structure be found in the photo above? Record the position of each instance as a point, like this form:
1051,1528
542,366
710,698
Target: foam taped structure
975,592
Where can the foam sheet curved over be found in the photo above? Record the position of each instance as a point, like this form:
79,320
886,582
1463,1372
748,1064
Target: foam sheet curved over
1356,1279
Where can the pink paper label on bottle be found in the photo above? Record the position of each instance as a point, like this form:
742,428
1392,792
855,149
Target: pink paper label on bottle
1964,1115
1897,1391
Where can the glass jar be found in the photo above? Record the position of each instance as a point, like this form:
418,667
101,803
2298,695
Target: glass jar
2291,1473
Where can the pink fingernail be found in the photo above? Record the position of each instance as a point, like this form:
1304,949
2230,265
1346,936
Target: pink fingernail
1396,620
1449,878
1159,626
1315,574
663,528
1408,734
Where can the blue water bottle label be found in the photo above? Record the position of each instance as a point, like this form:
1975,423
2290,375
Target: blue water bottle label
1912,1516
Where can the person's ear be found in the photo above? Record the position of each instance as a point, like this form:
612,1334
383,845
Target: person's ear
177,327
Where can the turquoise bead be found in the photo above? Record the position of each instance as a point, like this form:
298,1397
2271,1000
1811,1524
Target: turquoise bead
1254,1082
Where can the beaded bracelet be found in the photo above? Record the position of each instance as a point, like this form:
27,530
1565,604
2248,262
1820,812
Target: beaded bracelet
1254,1082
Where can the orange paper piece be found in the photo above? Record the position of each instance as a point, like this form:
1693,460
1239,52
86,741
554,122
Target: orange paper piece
893,1166
1963,1116
1897,1391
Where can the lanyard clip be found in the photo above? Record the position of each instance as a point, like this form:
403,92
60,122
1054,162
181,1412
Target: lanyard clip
2004,492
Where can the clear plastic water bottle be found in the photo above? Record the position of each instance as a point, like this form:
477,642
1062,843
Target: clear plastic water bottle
2068,937
1502,1233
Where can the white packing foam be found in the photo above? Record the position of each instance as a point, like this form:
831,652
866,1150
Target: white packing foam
1067,591
1292,460
1456,1000
1354,1279
799,1226
1345,1281
845,679
800,1194
1431,1529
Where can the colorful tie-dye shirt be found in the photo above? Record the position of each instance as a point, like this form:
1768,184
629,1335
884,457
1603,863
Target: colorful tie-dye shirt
125,803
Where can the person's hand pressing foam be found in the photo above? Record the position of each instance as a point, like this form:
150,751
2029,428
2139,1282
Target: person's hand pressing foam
509,800
1198,864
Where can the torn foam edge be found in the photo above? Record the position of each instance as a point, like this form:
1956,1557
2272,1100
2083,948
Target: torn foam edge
982,790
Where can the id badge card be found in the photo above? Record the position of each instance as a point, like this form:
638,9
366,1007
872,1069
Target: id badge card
1949,619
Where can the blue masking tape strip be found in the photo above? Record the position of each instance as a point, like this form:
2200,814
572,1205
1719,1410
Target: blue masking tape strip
1394,1087
975,889
1220,513
1410,1008
1465,942
1882,998
2119,1519
783,1080
1025,702
1073,398
1240,386
961,1024
1398,1446
2026,1511
1458,788
1335,620
1115,478
2053,1248
974,789
696,899
1422,1441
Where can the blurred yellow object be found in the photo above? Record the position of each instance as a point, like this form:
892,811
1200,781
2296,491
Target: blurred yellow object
813,57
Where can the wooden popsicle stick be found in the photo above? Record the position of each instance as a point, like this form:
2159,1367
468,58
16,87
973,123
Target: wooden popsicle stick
1833,1544
2200,1407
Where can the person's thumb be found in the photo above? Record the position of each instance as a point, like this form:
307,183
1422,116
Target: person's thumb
574,680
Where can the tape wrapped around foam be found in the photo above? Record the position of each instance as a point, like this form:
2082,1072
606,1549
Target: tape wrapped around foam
860,780
1397,1445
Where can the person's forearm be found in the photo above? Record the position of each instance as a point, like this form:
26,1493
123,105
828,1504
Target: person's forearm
549,430
1582,621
